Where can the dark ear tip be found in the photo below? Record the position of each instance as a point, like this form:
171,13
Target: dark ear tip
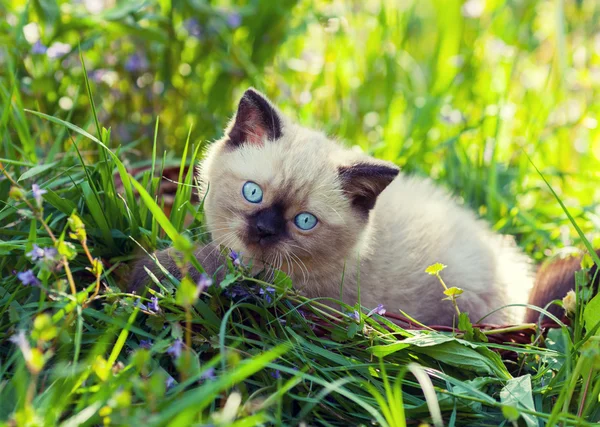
249,93
251,90
386,169
256,118
253,95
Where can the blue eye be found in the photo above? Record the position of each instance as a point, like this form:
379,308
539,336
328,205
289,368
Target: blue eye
305,221
252,192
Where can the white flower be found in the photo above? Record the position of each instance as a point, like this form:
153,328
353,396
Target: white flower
58,49
473,8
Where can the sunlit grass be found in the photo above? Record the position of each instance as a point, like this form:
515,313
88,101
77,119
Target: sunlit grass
467,96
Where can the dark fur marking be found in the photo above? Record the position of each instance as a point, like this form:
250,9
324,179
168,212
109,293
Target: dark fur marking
254,116
552,282
363,182
267,226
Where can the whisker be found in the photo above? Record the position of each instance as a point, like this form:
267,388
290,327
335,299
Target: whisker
301,265
299,247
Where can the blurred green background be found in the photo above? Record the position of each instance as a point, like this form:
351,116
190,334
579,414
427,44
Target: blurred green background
457,90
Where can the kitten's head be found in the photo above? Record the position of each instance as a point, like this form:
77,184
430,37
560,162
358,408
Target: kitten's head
286,195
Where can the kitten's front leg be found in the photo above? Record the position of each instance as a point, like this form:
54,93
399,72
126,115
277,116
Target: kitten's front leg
209,256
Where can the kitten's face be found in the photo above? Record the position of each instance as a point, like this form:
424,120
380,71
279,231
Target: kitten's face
284,195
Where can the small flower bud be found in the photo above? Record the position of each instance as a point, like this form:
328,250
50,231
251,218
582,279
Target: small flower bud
77,227
16,193
570,302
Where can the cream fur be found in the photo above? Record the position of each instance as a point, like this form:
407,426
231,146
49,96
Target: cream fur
414,224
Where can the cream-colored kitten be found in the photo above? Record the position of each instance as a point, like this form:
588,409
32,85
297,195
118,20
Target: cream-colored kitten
336,220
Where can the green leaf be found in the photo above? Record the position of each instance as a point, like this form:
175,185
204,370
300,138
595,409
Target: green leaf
580,232
155,323
353,329
101,368
64,205
384,350
15,312
479,336
36,170
228,280
517,393
125,177
48,10
179,241
122,9
465,325
187,292
200,397
282,280
591,314
452,351
481,361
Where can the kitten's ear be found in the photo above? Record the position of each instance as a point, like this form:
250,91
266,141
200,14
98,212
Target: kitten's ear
363,182
255,120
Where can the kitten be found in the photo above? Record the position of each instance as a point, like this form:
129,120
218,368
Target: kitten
342,223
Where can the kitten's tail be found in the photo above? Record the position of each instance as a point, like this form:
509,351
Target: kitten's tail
553,281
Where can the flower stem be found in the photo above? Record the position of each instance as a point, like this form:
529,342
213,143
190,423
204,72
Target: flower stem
515,328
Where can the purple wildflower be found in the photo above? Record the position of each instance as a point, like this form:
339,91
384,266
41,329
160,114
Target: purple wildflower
57,50
193,28
235,258
176,348
50,254
234,19
269,294
235,291
136,62
209,374
239,291
204,282
97,75
169,382
38,193
138,303
154,305
36,253
378,310
354,315
276,374
28,278
38,48
145,344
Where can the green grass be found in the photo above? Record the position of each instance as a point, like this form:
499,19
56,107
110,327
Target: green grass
468,101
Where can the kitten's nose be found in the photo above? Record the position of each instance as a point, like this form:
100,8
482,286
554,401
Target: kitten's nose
269,224
265,229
